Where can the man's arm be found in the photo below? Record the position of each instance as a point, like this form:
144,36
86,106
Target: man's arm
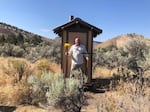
69,53
85,53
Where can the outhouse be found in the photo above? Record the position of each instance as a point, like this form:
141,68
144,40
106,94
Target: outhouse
76,27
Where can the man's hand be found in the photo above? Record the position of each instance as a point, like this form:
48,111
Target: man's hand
87,58
66,53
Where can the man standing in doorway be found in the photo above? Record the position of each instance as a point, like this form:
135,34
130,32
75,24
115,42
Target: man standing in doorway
77,52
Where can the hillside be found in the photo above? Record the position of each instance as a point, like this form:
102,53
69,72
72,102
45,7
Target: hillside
9,30
95,43
6,29
122,40
16,42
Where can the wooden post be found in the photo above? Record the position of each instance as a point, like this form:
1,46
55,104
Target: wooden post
89,70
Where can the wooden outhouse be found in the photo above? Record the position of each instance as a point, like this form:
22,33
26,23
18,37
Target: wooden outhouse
68,32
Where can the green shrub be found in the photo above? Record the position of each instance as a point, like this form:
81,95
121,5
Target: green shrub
50,88
17,51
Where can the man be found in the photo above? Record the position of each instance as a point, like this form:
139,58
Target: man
77,52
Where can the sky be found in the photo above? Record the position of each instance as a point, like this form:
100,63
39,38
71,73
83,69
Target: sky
114,17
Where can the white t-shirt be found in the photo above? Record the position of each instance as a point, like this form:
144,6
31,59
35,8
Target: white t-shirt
77,53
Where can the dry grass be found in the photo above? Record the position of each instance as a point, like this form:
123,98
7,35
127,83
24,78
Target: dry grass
35,109
4,78
15,69
103,72
124,99
45,65
8,73
13,95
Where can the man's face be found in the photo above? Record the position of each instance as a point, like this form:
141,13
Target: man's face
77,41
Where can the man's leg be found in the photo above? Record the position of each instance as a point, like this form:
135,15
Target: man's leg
79,72
73,68
84,73
76,71
83,68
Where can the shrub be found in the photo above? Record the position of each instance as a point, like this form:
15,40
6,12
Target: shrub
53,90
109,58
17,51
43,65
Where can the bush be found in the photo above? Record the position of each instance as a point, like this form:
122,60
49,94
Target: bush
109,58
11,50
17,51
50,89
43,65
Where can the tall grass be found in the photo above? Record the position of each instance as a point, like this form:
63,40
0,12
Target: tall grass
18,68
128,97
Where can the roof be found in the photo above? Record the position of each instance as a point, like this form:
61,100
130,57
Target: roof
95,30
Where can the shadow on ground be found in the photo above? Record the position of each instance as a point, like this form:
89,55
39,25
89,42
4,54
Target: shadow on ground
7,108
100,85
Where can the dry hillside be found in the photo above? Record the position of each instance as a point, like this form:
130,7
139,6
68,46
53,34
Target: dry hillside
122,40
7,30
